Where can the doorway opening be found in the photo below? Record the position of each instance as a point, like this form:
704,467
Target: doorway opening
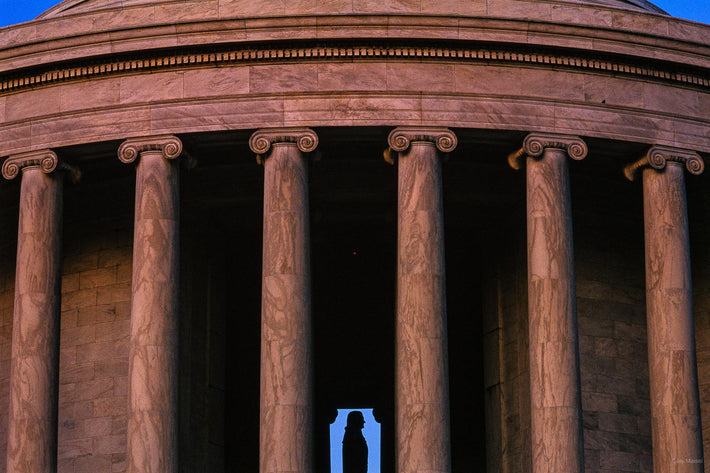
371,431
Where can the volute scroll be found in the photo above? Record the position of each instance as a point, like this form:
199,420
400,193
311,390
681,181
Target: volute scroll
657,157
535,144
169,145
262,141
402,137
46,160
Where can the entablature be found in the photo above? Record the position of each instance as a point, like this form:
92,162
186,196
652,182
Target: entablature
296,52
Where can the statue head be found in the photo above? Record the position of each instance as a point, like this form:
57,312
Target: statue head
355,420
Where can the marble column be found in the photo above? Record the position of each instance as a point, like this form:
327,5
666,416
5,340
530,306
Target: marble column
675,405
32,430
422,438
286,433
153,350
556,411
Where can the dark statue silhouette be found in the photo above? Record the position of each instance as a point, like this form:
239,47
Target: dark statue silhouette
354,445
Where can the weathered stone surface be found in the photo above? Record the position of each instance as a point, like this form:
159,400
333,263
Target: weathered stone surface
675,405
32,437
509,405
554,370
94,103
286,433
152,370
422,407
94,353
523,87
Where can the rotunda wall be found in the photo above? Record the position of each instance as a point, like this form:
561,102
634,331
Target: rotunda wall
111,73
363,91
98,71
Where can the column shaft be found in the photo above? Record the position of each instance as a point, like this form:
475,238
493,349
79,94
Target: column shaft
286,377
554,360
32,436
152,415
675,408
422,385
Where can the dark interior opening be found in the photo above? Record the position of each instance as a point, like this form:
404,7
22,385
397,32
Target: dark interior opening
353,201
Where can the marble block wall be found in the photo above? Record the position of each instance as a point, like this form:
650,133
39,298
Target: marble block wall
507,373
614,373
612,339
95,326
203,335
698,201
7,295
701,301
613,345
96,278
96,293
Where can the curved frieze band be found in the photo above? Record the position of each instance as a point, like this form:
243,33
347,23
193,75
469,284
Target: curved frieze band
658,156
535,144
262,140
150,62
45,159
169,145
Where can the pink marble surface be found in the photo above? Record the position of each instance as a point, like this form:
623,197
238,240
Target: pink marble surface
442,91
375,93
110,15
286,430
556,413
421,372
32,435
675,405
153,354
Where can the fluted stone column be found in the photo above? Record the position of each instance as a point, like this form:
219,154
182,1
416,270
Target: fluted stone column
422,381
675,406
153,350
286,433
32,430
556,411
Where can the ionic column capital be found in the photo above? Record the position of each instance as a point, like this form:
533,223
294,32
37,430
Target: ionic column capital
261,141
535,145
46,160
658,156
169,145
402,137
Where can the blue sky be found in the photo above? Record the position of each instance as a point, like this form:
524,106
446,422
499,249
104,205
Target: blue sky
16,11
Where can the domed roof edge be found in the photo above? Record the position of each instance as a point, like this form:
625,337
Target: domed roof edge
59,8
71,6
646,5
68,6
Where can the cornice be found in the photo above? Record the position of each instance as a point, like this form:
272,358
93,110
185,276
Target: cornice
46,160
170,146
535,144
150,62
657,157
